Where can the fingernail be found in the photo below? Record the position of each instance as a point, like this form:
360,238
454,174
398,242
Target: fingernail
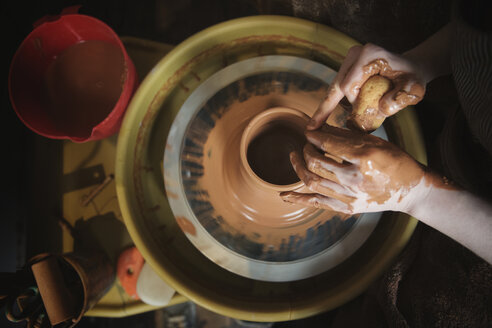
311,124
308,133
286,199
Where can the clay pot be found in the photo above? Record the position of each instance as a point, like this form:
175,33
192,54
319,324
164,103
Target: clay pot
265,146
272,134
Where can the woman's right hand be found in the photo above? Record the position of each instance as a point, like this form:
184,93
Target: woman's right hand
407,77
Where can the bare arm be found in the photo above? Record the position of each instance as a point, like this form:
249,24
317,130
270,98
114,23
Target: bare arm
433,55
458,214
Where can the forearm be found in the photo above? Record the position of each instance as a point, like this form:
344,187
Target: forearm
433,55
459,215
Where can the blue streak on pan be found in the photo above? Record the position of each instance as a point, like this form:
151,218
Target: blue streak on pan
316,238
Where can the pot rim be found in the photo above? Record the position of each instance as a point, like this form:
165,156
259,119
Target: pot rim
255,123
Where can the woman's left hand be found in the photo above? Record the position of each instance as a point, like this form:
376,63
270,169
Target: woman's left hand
371,174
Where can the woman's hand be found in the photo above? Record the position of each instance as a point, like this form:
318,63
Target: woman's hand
370,175
363,173
407,77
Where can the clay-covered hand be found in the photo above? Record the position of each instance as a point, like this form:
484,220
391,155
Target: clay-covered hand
353,172
407,76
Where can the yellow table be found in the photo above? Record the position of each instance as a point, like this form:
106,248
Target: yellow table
87,165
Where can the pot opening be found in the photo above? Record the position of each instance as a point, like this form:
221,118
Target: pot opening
268,152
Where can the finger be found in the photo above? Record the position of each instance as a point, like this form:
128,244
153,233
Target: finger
342,143
317,184
326,167
408,90
366,65
326,107
316,200
334,94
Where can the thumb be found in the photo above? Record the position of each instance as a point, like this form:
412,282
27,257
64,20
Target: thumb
406,92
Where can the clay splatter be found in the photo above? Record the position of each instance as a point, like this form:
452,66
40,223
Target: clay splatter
186,225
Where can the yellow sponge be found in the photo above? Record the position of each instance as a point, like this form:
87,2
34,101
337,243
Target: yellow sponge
365,113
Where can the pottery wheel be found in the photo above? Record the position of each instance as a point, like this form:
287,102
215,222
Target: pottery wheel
144,200
231,223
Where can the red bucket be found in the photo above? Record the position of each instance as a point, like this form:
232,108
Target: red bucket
41,95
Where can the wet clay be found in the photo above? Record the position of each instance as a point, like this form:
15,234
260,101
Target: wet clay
402,98
393,170
380,67
268,153
83,84
245,205
439,181
384,169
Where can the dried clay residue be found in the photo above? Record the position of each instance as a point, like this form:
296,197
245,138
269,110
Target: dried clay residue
186,225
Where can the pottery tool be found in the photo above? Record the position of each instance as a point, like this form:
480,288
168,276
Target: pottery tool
97,190
21,300
366,115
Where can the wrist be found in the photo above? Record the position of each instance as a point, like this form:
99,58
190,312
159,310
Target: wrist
418,197
433,190
422,66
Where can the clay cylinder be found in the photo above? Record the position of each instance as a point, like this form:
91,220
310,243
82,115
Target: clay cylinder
265,146
96,274
71,284
59,300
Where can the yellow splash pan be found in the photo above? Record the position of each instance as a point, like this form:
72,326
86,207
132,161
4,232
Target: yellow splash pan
142,198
